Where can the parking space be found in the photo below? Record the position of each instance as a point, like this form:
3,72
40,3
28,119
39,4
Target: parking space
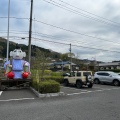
72,90
23,94
16,94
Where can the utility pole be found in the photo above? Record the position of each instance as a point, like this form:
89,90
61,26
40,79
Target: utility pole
8,31
70,59
30,33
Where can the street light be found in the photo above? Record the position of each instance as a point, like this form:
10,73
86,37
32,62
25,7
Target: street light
8,30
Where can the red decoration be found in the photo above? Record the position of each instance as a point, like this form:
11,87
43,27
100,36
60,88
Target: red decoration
25,75
10,75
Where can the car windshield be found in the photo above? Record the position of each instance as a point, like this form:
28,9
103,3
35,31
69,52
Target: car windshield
114,74
86,73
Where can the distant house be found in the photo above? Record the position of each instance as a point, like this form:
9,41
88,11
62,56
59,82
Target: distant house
108,66
64,65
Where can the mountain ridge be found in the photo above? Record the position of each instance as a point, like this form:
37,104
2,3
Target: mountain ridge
12,46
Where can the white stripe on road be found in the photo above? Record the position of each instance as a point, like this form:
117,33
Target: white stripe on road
1,93
93,91
73,88
79,93
17,99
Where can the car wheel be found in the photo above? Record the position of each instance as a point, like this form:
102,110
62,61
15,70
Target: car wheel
116,83
78,84
96,81
102,83
90,85
66,82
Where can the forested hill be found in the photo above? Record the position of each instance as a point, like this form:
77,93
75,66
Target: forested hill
12,45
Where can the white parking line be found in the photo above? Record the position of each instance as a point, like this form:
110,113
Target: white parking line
93,91
79,93
17,99
74,89
71,88
1,93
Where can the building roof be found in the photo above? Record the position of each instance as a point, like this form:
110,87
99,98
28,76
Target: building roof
109,64
63,63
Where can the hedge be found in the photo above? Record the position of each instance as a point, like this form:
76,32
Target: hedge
58,79
49,86
56,73
35,84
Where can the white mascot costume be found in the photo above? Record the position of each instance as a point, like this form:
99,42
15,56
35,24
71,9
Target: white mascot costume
17,68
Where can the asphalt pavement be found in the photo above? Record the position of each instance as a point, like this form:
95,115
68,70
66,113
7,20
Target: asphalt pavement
72,90
17,94
102,102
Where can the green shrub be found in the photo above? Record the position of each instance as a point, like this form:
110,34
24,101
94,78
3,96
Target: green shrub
33,73
49,86
56,74
58,79
48,72
35,84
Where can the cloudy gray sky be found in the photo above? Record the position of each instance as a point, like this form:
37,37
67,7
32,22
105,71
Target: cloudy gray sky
91,26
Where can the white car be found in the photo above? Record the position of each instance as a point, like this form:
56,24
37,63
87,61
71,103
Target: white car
107,77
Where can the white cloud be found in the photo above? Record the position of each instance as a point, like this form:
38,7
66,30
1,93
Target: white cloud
47,13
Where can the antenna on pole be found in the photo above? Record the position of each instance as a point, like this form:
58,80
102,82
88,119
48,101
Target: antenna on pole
30,32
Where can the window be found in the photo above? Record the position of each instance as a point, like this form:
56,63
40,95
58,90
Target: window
103,74
100,74
86,73
72,74
78,73
106,74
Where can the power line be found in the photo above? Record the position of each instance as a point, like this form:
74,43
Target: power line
89,12
66,29
79,13
77,45
15,18
44,40
73,31
70,40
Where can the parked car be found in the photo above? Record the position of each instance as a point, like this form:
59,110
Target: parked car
107,77
118,73
79,78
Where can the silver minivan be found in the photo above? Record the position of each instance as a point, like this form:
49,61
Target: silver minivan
107,77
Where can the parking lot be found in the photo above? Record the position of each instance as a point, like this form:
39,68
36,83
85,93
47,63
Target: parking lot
72,90
23,94
17,94
98,103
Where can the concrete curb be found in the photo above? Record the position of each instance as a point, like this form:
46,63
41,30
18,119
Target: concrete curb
46,95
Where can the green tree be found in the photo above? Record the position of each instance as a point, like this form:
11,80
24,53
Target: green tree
1,49
40,63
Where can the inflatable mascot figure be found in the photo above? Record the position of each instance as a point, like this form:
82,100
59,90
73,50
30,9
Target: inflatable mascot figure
16,67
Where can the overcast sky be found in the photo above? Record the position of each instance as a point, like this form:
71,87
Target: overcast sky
91,26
